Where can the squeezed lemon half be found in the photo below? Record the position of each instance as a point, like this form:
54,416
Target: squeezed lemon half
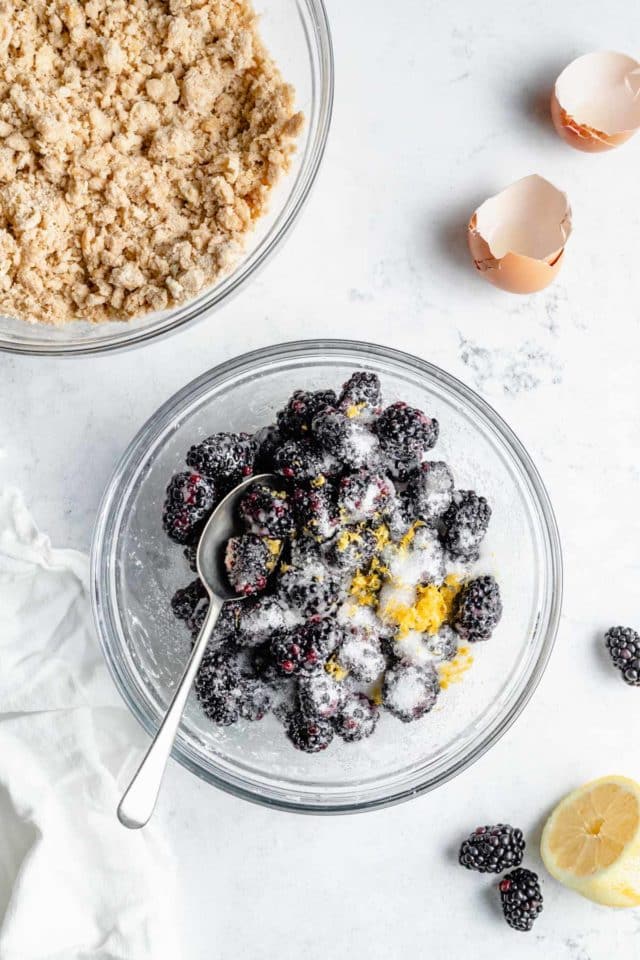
591,841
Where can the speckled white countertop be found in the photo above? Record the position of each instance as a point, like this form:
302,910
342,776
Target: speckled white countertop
437,106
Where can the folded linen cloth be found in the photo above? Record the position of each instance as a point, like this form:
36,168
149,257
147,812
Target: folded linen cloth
74,884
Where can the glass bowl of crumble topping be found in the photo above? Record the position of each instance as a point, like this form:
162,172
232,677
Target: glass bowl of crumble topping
152,158
484,555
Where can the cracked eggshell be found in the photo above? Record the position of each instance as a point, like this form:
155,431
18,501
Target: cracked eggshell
595,104
517,238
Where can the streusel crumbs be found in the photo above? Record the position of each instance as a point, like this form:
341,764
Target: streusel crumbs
139,142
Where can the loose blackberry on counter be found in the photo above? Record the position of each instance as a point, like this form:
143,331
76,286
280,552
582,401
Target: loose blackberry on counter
493,849
266,512
189,502
623,645
521,898
464,524
357,718
227,457
478,609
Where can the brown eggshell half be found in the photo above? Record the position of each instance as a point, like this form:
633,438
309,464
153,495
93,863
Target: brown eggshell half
595,104
517,237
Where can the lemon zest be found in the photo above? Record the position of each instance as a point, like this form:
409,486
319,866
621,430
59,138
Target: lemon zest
355,410
334,670
454,671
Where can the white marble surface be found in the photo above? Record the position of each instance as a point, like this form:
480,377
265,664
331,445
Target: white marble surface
438,105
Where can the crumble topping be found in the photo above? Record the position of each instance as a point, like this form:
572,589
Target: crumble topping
139,142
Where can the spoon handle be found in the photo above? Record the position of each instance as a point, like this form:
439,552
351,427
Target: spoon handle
138,802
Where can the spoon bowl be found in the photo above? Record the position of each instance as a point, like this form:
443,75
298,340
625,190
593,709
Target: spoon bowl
221,526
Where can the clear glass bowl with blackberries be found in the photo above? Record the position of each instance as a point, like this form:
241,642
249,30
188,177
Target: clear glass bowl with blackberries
400,583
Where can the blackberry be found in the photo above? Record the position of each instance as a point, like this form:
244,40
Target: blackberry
248,561
353,548
266,442
191,604
227,457
361,395
405,435
363,494
218,686
190,553
430,490
305,648
311,736
493,849
320,696
263,664
295,420
266,512
315,509
255,699
299,460
408,691
357,718
186,600
521,898
360,654
259,617
188,505
464,524
344,439
313,589
478,609
399,515
623,645
444,644
427,555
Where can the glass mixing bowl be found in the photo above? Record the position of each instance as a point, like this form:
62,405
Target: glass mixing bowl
297,35
136,569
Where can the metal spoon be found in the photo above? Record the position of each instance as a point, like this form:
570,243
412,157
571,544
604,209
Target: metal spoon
139,800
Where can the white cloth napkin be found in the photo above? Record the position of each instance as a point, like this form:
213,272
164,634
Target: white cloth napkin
74,884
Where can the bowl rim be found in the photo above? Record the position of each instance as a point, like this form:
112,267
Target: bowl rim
206,303
137,451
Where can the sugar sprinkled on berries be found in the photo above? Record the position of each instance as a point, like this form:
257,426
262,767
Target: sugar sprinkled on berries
342,568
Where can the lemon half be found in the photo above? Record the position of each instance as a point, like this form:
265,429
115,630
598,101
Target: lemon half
591,841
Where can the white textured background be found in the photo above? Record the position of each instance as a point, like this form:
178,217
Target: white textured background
438,105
